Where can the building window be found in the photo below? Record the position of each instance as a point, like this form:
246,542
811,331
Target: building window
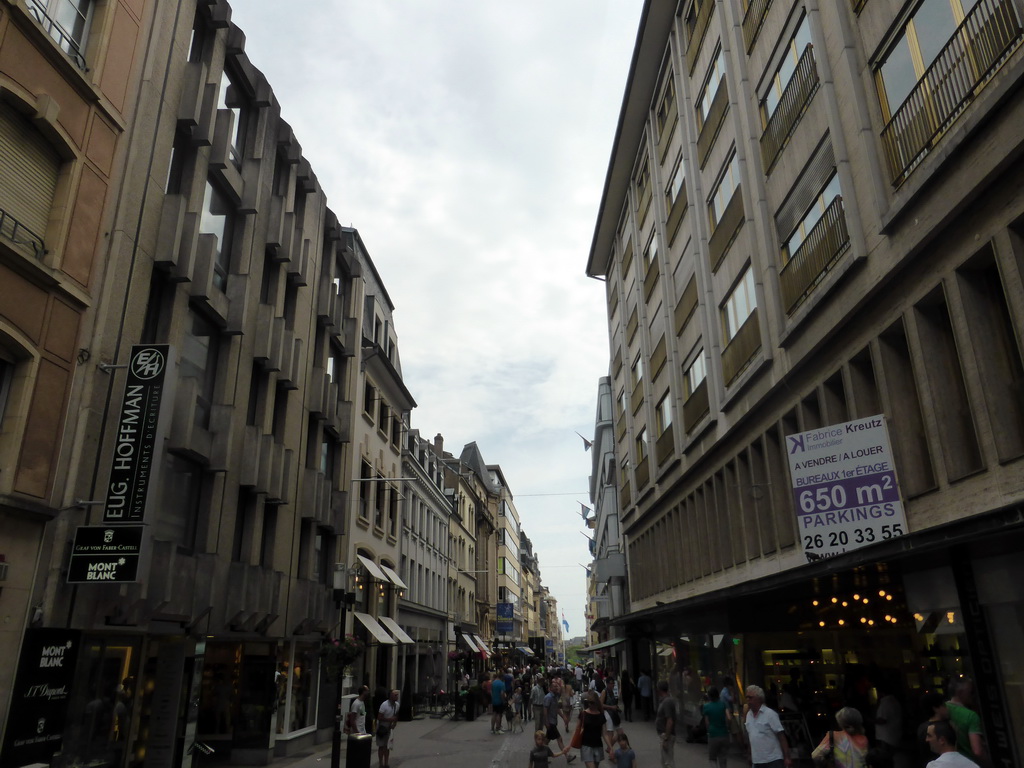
791,56
651,251
739,305
200,353
230,98
67,22
181,502
818,207
666,108
6,377
711,84
724,190
365,487
636,373
641,444
369,400
664,413
29,169
675,184
695,373
925,35
218,219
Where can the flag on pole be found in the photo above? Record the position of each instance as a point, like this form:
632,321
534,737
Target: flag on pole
564,622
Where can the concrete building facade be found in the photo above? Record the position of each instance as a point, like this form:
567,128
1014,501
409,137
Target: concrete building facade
812,217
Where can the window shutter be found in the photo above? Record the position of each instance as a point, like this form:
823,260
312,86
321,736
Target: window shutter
28,171
808,186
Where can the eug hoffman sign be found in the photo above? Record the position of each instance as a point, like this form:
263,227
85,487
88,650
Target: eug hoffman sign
844,486
138,435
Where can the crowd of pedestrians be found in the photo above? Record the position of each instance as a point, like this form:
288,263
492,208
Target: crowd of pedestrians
545,702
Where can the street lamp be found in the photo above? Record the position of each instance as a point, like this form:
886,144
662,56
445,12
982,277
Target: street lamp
342,599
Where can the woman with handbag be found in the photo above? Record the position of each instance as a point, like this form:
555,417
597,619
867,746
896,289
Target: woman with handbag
591,730
847,747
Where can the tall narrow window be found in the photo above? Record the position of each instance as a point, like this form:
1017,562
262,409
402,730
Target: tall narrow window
791,56
230,98
200,353
218,219
695,373
716,74
724,190
739,305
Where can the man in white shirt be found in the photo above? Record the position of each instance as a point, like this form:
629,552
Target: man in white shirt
357,711
387,718
766,739
941,737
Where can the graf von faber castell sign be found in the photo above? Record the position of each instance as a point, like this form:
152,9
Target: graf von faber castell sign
107,554
132,470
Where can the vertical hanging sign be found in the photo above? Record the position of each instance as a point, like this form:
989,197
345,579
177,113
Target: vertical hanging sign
133,470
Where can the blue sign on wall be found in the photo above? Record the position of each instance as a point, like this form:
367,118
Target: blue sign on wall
504,623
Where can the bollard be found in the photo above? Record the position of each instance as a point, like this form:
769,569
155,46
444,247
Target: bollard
358,751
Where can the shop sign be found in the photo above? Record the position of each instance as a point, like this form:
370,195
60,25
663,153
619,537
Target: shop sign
39,699
504,622
132,471
844,487
105,554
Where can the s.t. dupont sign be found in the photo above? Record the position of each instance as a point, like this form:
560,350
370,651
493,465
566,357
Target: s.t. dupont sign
138,434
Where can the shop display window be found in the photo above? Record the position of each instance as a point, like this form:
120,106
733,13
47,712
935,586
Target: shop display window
98,731
296,679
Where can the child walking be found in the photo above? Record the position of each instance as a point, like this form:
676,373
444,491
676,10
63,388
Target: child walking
541,752
625,757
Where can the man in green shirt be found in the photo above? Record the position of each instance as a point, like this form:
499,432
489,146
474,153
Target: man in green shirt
969,739
716,719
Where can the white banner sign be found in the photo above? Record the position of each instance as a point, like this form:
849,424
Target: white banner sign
844,486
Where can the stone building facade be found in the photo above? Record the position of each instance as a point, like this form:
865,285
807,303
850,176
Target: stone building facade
812,216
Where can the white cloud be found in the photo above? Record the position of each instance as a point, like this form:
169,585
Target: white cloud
468,143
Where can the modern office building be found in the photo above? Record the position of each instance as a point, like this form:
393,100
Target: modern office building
812,217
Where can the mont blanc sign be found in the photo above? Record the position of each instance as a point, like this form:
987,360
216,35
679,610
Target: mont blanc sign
133,468
105,554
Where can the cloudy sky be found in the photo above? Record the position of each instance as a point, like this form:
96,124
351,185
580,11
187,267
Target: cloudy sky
467,141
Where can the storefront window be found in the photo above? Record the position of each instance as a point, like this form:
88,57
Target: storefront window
298,671
100,709
218,700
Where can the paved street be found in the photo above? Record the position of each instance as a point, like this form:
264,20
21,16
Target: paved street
426,743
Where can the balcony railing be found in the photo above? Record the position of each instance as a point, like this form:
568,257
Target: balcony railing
791,106
13,230
826,242
642,475
696,406
753,19
696,31
725,230
974,52
712,123
61,36
741,348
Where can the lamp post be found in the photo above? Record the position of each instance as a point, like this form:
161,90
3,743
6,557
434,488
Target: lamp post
342,599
